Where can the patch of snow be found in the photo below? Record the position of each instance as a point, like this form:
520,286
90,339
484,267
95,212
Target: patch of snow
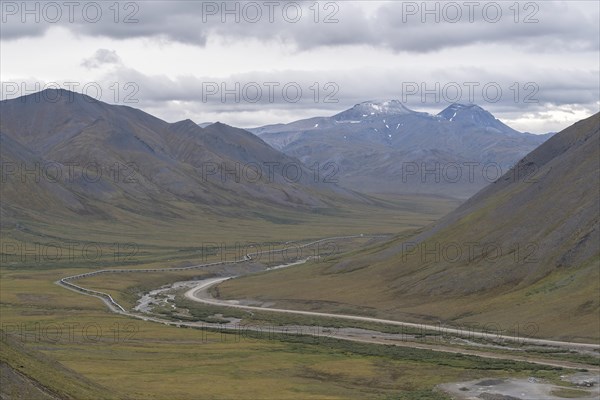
397,126
453,117
316,126
389,135
387,126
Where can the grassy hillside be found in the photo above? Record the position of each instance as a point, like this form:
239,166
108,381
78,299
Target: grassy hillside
77,158
29,374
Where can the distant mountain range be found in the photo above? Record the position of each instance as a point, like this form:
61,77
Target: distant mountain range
66,152
386,147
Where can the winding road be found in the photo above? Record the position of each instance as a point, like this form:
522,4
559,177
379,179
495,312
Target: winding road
200,293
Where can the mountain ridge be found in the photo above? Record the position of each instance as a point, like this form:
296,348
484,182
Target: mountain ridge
140,161
375,143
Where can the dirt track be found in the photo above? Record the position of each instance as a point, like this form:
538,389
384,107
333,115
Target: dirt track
200,293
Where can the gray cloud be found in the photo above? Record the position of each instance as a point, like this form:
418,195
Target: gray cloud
538,27
560,26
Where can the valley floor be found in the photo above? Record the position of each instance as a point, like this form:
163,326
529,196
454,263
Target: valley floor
72,346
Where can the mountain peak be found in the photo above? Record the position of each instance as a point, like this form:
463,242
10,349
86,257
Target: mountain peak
186,123
472,114
374,108
383,107
56,95
464,112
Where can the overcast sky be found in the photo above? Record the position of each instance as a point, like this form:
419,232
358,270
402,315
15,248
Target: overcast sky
535,65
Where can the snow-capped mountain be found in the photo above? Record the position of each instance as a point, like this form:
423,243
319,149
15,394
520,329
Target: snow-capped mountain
473,114
371,109
372,144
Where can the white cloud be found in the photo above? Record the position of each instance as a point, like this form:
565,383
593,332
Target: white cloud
100,58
